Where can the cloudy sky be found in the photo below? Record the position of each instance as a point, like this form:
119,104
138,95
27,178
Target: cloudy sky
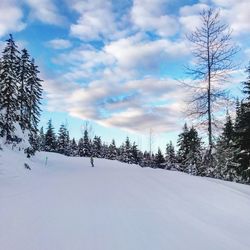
116,63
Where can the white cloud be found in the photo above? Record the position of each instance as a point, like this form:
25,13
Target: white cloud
45,11
96,19
59,44
236,13
190,16
108,84
149,15
134,51
11,17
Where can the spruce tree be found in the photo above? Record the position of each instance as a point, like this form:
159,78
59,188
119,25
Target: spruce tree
226,154
73,148
97,147
34,95
134,154
81,148
9,85
87,150
170,156
183,148
112,151
50,138
104,151
146,160
190,152
23,92
159,159
127,152
242,128
41,138
63,140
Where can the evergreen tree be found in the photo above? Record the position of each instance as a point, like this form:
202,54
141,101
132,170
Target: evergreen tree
81,147
23,96
73,148
50,138
9,106
190,152
104,151
170,156
226,153
127,152
183,145
97,147
63,140
41,139
112,151
159,159
134,154
34,95
242,132
146,160
86,144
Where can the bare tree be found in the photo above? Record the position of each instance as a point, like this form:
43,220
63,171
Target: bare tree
213,51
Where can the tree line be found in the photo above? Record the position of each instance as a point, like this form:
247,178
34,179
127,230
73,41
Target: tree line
231,152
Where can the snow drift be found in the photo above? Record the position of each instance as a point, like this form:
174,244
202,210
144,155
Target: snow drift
63,203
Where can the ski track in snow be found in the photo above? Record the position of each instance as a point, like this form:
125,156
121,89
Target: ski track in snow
68,205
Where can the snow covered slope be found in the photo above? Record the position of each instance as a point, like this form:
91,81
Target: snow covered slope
67,205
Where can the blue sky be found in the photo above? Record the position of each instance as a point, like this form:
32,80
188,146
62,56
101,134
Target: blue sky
116,63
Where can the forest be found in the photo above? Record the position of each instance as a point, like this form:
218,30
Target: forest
226,156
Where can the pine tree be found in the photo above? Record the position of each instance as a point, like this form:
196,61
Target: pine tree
146,160
97,147
112,151
104,151
41,138
242,131
171,162
135,154
34,95
50,138
23,96
86,144
190,152
226,153
63,140
159,159
73,148
127,151
81,147
183,148
194,158
9,92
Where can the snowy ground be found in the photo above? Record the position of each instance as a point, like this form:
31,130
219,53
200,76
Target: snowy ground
67,205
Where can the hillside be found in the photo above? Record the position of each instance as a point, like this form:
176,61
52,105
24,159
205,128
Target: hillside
113,206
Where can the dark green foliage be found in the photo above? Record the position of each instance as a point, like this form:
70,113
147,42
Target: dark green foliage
50,138
159,159
9,76
135,158
242,131
227,151
171,161
20,94
112,151
97,147
73,148
190,151
63,142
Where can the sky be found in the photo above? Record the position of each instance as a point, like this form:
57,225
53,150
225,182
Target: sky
117,64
